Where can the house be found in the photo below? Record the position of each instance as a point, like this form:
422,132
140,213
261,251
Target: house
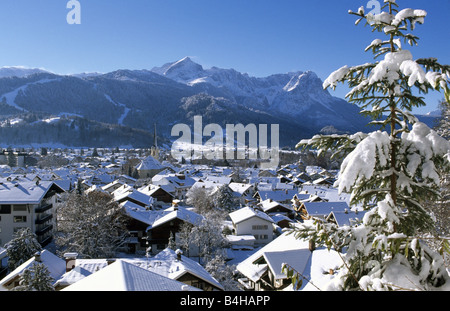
158,193
269,206
326,181
281,196
112,186
77,269
159,232
267,173
149,167
263,269
321,209
281,221
167,263
124,276
55,265
139,218
28,204
346,218
242,191
249,221
174,265
179,183
127,193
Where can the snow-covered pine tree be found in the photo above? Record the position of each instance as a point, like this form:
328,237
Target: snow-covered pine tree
389,170
35,278
222,272
223,199
22,247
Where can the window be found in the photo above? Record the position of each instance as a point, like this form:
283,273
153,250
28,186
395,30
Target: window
260,227
19,208
5,209
20,218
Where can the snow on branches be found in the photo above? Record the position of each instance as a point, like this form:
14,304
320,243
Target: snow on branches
390,171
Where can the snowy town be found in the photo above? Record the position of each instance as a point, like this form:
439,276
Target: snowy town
248,214
167,179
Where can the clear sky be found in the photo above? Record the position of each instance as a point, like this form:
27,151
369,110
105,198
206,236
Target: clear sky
259,37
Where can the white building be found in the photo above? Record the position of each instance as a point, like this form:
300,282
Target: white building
28,204
248,221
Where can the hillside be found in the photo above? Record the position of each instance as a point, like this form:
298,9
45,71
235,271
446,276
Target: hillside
171,94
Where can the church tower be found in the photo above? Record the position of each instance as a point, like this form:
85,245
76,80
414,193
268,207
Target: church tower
154,152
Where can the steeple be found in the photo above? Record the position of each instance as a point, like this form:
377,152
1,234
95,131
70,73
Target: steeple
155,138
155,150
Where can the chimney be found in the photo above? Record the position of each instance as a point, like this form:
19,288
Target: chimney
110,261
37,257
179,252
70,260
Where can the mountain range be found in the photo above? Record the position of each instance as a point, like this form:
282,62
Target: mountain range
92,109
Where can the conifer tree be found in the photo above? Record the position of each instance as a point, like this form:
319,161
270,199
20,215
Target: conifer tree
22,247
35,278
387,171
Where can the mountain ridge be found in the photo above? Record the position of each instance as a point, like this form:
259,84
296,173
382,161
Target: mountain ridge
174,92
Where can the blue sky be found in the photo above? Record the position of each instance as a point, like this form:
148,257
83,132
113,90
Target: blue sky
259,37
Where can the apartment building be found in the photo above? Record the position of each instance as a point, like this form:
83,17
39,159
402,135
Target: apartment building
28,204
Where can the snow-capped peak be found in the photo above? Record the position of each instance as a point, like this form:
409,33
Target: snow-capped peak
182,70
19,71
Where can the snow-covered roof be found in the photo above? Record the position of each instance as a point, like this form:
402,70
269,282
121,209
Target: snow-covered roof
82,269
296,258
55,265
180,213
268,204
150,163
295,252
284,242
278,195
141,214
124,276
151,189
166,264
173,179
127,192
239,187
349,218
245,213
24,192
325,208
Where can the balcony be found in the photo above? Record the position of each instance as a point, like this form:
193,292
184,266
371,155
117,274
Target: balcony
46,241
43,208
43,219
44,230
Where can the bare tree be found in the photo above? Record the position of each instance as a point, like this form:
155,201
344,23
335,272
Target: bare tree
92,225
200,199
